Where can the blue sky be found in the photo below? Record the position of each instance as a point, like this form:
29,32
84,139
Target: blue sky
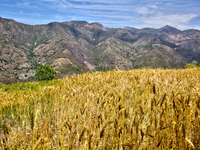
182,14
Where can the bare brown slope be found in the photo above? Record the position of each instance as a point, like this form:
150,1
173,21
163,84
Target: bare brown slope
78,46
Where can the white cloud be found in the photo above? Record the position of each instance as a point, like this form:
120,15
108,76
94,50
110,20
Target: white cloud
99,5
143,10
176,20
146,9
168,3
195,27
26,5
112,13
23,4
93,2
25,14
60,17
35,15
31,20
153,6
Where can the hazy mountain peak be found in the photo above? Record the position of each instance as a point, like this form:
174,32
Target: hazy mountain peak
7,20
78,22
126,28
96,23
171,29
167,26
147,28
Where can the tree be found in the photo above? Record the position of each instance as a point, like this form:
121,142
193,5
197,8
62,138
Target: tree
45,72
192,65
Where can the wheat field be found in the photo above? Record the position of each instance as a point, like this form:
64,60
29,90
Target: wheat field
125,110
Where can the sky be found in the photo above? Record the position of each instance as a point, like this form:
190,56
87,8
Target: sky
181,14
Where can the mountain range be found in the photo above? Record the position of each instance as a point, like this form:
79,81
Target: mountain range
78,46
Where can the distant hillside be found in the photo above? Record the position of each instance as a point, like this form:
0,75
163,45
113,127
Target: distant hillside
79,46
187,40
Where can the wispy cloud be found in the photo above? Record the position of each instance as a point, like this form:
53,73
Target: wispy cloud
123,13
65,6
176,20
111,13
59,17
93,1
144,10
152,6
19,5
26,5
25,14
168,3
36,21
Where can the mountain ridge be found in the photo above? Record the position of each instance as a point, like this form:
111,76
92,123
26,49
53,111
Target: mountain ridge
79,46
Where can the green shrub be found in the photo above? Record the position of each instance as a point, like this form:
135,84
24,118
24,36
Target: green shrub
45,72
191,65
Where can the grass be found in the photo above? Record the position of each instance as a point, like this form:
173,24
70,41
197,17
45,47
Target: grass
138,109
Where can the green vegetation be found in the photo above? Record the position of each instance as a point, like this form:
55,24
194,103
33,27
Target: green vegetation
191,65
45,72
138,109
